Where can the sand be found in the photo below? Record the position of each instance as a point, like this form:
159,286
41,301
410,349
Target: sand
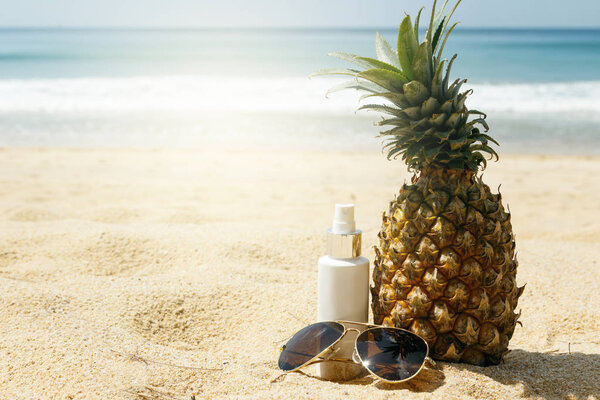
141,274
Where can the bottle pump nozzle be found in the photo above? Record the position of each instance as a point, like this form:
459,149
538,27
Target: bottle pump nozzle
343,240
343,220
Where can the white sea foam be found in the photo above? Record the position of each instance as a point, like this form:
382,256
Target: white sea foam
270,113
297,94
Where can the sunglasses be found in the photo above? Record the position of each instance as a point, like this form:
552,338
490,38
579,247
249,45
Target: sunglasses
390,354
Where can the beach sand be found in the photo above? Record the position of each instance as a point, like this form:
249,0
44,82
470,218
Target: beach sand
142,274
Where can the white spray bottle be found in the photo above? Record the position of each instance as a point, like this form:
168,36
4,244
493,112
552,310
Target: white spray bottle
343,288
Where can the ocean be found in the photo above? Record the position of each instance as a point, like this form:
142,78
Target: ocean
249,88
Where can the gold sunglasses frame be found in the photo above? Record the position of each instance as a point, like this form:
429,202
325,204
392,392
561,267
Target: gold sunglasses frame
320,359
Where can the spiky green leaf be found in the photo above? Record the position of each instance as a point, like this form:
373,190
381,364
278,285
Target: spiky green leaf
480,121
423,123
415,92
480,159
447,77
379,64
486,149
399,121
430,106
472,165
459,100
436,36
383,109
441,51
433,151
352,58
413,113
431,20
458,164
398,131
396,98
356,84
394,153
444,135
392,81
426,136
456,144
453,90
453,120
422,63
412,150
438,14
449,17
436,83
476,112
417,21
488,137
438,119
447,106
385,52
407,46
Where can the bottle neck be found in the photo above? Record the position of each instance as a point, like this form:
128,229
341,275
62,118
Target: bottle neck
344,245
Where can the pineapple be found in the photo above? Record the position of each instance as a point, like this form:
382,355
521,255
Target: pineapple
445,267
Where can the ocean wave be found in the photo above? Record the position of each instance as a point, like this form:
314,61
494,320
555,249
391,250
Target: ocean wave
238,94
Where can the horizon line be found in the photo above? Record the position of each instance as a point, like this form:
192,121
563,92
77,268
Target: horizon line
189,28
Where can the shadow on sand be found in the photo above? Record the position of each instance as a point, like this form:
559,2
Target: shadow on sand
574,376
428,380
547,375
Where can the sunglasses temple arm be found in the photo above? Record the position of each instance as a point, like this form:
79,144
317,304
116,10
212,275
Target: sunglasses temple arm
358,323
314,362
278,377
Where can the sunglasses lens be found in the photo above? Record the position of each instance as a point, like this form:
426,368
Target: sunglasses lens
308,343
391,354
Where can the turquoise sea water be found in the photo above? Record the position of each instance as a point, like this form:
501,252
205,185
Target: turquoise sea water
249,88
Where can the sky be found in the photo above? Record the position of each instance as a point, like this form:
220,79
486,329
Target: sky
288,13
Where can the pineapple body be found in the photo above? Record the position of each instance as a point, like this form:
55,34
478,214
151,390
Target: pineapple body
446,269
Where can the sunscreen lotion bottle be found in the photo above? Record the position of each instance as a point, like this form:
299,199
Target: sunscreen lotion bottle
343,290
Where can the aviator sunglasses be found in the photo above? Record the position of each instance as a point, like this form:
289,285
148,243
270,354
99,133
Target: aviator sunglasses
390,354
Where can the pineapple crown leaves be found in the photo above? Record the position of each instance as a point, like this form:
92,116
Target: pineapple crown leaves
430,124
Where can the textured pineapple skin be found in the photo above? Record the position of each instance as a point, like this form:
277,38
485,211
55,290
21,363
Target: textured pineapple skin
446,269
